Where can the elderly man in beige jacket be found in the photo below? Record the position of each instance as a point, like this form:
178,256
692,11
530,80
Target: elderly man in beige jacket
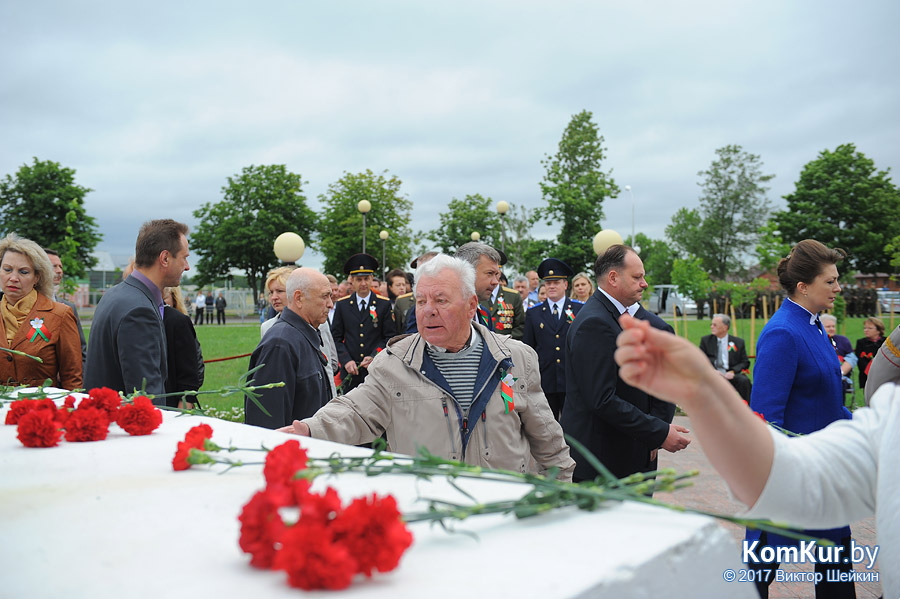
454,388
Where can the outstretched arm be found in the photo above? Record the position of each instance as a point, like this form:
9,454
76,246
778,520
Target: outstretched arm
736,442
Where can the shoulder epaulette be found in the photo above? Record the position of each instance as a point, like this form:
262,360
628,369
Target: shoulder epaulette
345,297
382,297
508,289
405,295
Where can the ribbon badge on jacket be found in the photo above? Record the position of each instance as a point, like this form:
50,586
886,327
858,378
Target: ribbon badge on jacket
372,312
569,315
37,328
732,346
506,392
482,313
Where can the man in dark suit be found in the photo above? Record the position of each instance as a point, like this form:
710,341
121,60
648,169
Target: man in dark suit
621,425
290,352
363,322
728,354
127,345
546,327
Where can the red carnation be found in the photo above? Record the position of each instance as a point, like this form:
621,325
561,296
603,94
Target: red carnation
105,399
319,507
283,462
194,439
312,560
21,407
141,417
261,529
373,531
38,429
87,424
69,402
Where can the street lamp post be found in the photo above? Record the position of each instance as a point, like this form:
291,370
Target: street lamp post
475,235
383,235
502,209
364,206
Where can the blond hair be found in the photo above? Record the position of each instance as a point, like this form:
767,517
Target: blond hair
43,270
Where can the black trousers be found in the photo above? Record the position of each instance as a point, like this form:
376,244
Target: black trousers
556,401
220,316
825,589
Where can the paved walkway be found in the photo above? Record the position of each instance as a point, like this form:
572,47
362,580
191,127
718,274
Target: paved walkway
710,493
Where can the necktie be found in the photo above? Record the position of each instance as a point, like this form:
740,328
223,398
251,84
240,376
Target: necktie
362,305
555,311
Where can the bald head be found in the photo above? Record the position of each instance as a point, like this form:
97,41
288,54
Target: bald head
309,295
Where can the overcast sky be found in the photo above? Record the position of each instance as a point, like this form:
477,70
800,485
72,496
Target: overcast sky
155,104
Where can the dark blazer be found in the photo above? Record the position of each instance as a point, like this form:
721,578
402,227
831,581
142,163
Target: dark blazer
737,357
402,306
80,331
508,314
289,352
547,335
61,352
356,334
618,423
184,359
127,342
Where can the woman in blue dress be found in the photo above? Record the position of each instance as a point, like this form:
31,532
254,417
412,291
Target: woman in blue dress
797,378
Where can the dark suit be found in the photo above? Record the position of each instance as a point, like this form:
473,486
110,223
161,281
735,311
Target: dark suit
508,314
184,359
618,423
80,331
402,306
546,333
738,361
290,352
357,334
127,342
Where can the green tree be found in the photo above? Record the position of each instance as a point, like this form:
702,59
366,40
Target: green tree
842,200
472,213
685,232
771,247
523,251
43,203
692,280
657,256
238,232
340,225
574,187
732,205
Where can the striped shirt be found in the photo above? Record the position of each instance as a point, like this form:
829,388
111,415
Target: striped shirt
460,369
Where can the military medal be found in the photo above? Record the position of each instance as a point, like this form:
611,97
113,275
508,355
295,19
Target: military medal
37,328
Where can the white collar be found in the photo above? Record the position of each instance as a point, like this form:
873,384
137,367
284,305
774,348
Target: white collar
359,299
619,306
495,293
812,317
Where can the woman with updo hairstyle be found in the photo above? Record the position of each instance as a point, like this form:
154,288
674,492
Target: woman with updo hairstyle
868,346
797,376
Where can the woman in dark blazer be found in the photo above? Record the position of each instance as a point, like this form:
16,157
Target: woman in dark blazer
33,323
868,346
797,376
183,355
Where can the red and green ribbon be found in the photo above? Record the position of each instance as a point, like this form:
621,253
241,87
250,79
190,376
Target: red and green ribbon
484,316
372,312
37,328
506,394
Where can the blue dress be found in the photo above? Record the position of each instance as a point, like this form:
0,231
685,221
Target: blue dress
797,385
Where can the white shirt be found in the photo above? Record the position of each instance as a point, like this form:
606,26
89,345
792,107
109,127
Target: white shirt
619,306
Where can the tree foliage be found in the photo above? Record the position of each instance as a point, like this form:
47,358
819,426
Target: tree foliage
574,188
733,203
238,232
771,247
842,200
43,203
657,256
523,251
341,224
692,279
462,218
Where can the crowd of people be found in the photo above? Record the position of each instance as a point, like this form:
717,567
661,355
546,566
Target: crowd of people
454,360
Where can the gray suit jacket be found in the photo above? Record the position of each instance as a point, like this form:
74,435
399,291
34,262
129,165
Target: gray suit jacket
127,342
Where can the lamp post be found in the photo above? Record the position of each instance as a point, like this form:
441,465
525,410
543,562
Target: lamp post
502,209
633,242
364,206
475,235
383,235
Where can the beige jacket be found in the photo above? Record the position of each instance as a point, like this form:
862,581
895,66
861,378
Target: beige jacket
398,399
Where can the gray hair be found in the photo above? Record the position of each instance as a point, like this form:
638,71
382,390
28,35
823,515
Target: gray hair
301,279
441,262
726,320
520,279
474,250
828,317
40,263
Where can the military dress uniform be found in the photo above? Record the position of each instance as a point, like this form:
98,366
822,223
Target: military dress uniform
546,333
508,314
361,331
402,306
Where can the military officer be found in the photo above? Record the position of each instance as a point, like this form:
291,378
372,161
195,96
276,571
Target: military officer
363,321
499,308
507,312
546,326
